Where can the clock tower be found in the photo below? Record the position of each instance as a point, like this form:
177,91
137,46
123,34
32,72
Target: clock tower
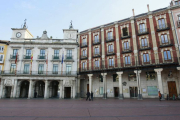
21,33
70,33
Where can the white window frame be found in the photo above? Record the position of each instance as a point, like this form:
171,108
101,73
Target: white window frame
1,49
2,58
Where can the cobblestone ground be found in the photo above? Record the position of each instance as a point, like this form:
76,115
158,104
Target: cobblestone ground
99,109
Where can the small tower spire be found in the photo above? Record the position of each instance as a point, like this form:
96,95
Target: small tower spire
148,7
24,26
71,26
133,12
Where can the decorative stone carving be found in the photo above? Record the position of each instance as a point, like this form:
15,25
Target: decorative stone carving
68,83
8,83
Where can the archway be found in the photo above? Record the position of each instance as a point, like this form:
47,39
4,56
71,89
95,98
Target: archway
39,89
53,89
24,89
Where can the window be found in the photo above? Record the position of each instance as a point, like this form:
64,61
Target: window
97,63
26,68
167,55
132,77
96,38
126,45
150,75
55,68
13,68
164,39
152,90
42,52
144,42
96,50
84,42
68,69
142,28
145,57
161,23
28,54
115,78
179,17
84,53
110,48
100,78
0,68
15,52
109,35
101,91
84,65
1,58
111,62
56,53
127,60
176,2
69,54
41,69
1,49
125,31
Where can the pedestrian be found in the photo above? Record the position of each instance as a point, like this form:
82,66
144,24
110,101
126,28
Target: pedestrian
91,95
159,96
88,94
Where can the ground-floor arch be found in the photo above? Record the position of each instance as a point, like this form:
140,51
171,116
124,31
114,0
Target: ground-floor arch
39,89
24,89
54,89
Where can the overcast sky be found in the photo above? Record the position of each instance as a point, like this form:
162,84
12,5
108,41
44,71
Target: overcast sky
55,15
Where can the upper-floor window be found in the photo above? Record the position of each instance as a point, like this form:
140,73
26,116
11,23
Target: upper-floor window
26,68
83,65
13,68
127,60
97,63
1,58
84,53
111,62
176,2
1,49
96,50
28,52
42,52
69,53
96,38
126,45
167,55
56,53
144,42
110,48
84,42
109,34
0,68
142,28
179,17
125,31
161,23
68,69
146,57
15,52
41,69
55,68
164,38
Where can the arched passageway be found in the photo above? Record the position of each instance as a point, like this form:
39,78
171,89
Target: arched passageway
24,89
53,89
39,89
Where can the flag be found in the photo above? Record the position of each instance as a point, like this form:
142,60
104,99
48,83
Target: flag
16,57
62,62
47,59
47,63
31,58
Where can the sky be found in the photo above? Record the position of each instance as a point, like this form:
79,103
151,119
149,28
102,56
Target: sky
55,15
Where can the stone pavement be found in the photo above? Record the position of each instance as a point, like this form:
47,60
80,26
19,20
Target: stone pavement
99,109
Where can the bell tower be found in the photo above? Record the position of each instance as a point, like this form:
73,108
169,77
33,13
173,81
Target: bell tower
70,33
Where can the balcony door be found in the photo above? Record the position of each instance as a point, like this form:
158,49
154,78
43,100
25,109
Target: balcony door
142,28
28,53
161,23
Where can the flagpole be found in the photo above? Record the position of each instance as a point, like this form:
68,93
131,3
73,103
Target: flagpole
16,62
31,63
47,63
62,63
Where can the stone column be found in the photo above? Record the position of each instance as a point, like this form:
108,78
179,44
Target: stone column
46,87
159,70
1,90
78,86
15,87
178,79
121,96
30,89
90,82
138,83
104,85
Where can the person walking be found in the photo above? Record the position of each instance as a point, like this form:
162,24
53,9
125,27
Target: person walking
88,94
91,95
159,96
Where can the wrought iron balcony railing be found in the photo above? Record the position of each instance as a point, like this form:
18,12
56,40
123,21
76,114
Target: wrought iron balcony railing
84,57
56,57
41,56
14,56
84,44
96,54
26,57
166,43
145,46
68,57
126,36
127,49
110,38
143,31
163,27
96,42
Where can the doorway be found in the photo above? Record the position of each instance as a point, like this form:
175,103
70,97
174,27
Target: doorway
172,88
87,87
116,91
53,89
39,89
67,92
133,92
8,91
24,89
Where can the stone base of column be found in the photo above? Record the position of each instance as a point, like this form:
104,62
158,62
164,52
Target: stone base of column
162,97
78,95
140,97
104,95
121,96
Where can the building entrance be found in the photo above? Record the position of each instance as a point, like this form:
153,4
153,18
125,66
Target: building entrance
116,91
133,92
39,89
53,89
172,88
24,89
67,92
8,91
88,88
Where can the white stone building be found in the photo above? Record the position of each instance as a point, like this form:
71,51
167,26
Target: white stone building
48,76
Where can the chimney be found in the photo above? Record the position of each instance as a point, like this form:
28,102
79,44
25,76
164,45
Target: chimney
133,12
148,7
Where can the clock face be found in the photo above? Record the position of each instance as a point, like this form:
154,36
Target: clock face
18,35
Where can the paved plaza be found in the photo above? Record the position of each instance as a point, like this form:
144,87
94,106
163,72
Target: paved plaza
99,109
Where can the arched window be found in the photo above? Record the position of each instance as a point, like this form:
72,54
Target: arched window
126,45
167,55
84,53
127,60
164,38
142,28
161,23
84,65
109,34
84,43
144,42
110,48
96,38
96,51
111,62
125,31
96,63
146,58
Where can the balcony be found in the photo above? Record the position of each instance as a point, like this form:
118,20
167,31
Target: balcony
166,43
178,23
96,42
26,57
14,56
96,54
145,46
41,57
110,38
69,58
110,52
127,50
125,36
84,45
143,31
162,27
56,58
83,57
